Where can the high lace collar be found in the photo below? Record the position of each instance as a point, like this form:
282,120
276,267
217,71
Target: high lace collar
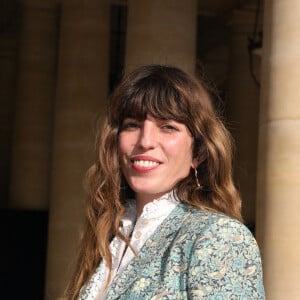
154,209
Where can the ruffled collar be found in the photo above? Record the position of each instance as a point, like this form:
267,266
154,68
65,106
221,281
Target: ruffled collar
154,209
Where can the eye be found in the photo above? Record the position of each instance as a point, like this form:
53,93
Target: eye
169,127
129,124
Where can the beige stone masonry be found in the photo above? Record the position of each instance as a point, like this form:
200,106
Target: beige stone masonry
161,32
278,221
81,98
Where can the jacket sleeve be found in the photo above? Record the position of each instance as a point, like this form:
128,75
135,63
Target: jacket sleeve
225,263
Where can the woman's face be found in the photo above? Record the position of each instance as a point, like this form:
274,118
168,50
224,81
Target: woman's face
155,155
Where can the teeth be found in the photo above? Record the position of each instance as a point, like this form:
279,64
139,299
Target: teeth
145,163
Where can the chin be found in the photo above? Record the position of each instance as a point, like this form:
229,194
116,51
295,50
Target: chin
142,187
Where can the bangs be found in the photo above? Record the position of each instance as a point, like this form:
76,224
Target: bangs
155,97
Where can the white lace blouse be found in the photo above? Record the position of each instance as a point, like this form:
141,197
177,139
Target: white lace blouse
152,216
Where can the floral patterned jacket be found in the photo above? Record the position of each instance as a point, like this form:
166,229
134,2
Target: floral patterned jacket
193,255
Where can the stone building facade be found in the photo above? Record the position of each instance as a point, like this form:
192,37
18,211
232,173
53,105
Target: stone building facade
60,59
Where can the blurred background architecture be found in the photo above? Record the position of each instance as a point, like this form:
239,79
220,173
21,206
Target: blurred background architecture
59,61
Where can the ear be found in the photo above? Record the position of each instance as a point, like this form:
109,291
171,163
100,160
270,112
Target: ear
197,161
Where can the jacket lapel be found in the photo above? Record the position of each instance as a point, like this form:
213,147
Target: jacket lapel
154,244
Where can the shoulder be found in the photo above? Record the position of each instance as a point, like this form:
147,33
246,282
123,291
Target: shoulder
206,222
225,253
219,233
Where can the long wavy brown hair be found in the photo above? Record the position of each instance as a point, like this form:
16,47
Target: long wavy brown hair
164,92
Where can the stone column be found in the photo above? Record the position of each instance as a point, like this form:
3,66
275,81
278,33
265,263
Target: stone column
242,108
33,112
278,221
81,95
161,32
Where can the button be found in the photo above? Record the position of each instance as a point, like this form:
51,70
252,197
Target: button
138,234
145,222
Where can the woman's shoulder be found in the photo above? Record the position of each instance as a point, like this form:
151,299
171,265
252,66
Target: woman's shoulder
224,255
215,224
209,217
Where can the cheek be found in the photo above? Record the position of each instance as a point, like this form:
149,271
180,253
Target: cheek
125,149
181,149
121,153
123,145
127,142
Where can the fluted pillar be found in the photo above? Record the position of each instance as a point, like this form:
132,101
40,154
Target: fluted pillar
242,108
278,221
81,96
161,32
29,187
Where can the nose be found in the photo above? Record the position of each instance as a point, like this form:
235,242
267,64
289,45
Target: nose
148,135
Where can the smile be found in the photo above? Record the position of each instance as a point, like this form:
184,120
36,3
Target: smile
145,163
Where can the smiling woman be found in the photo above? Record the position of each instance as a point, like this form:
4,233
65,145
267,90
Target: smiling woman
163,215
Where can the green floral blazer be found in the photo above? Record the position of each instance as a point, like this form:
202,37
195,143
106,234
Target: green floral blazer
194,255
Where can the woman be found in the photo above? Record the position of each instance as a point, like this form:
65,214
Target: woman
163,215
